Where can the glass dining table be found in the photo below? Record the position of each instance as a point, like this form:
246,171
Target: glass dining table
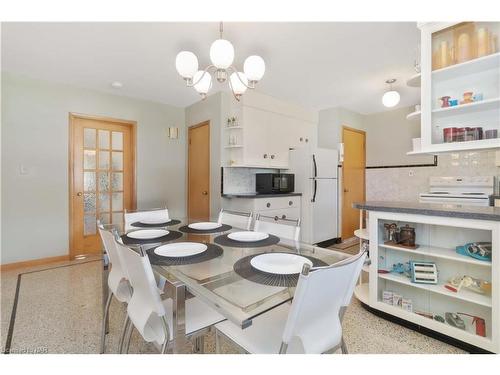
216,282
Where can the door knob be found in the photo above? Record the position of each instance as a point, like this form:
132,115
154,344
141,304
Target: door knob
79,194
346,191
205,192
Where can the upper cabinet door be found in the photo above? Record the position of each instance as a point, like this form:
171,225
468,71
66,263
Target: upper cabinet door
460,86
257,142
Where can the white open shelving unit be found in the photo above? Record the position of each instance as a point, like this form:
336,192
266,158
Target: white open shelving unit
480,75
437,238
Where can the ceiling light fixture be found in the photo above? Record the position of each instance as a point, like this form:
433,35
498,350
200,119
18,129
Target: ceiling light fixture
116,85
391,98
222,56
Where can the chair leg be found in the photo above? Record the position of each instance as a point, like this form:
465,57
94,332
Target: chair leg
104,321
166,332
199,344
217,341
122,336
343,346
129,337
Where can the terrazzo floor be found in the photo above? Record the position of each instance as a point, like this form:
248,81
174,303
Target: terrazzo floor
59,311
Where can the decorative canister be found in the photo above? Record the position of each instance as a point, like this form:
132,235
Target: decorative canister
450,135
444,54
464,48
490,134
468,97
407,235
477,133
460,137
483,42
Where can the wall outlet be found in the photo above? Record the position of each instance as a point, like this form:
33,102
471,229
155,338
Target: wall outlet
23,170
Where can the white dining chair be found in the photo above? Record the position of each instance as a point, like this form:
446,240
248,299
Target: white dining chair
117,278
281,227
152,316
241,220
311,323
155,214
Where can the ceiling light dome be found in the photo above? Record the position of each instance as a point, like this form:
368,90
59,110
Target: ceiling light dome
239,85
202,82
390,98
222,53
186,64
254,68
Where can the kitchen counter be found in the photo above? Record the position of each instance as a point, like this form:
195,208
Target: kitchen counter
256,195
431,209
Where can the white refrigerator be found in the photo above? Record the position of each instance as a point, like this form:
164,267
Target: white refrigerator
315,172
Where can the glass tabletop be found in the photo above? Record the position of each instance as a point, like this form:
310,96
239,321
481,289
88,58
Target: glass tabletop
217,284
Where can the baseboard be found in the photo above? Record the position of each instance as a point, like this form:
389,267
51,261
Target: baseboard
33,262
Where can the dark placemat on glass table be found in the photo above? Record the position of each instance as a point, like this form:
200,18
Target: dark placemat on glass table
244,268
213,251
222,228
138,224
224,240
172,235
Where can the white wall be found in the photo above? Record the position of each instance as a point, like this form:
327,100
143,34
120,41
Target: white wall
330,125
210,109
35,134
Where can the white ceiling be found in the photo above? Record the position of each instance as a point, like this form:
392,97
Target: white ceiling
317,65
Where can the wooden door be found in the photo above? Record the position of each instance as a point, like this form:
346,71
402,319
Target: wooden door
199,171
102,178
353,178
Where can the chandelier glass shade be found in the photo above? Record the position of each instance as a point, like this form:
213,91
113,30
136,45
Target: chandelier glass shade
222,57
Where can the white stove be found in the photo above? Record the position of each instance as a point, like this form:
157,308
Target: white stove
473,191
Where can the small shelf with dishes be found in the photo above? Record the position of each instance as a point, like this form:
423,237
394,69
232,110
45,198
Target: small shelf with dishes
233,146
233,127
479,64
414,81
414,116
481,105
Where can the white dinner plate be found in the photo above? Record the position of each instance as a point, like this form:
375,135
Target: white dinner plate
248,236
147,234
180,249
154,221
280,263
204,225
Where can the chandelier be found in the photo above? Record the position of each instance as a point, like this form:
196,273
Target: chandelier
221,56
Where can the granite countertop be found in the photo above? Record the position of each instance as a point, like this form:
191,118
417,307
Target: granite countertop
256,195
432,209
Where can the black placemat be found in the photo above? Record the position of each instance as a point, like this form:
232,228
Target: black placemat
138,224
224,240
222,228
213,251
244,268
172,235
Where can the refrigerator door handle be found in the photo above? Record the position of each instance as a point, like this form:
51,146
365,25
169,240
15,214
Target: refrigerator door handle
315,166
315,190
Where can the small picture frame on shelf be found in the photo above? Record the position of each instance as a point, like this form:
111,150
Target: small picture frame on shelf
387,297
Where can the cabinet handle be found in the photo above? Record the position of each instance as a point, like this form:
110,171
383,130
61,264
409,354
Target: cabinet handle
265,156
268,205
301,139
276,218
272,156
283,216
290,203
307,140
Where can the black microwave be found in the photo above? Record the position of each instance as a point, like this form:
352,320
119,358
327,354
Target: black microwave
274,183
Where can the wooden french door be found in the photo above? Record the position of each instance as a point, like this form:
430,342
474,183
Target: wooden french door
353,178
199,171
102,177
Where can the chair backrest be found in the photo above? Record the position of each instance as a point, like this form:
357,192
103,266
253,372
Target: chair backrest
156,214
118,274
320,294
283,228
145,308
242,220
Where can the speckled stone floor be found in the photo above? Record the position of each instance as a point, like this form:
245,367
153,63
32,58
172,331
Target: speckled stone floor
59,311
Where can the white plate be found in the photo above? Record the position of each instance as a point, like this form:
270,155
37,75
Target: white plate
154,221
248,236
147,234
279,263
180,249
204,225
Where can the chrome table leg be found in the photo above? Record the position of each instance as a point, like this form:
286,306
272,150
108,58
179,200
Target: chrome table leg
177,290
105,288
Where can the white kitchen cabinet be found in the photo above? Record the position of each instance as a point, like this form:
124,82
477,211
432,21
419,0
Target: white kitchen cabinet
456,59
263,136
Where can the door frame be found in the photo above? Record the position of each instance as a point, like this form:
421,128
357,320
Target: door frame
200,124
71,173
344,127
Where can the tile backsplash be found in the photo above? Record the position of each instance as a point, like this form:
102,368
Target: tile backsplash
241,180
405,184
